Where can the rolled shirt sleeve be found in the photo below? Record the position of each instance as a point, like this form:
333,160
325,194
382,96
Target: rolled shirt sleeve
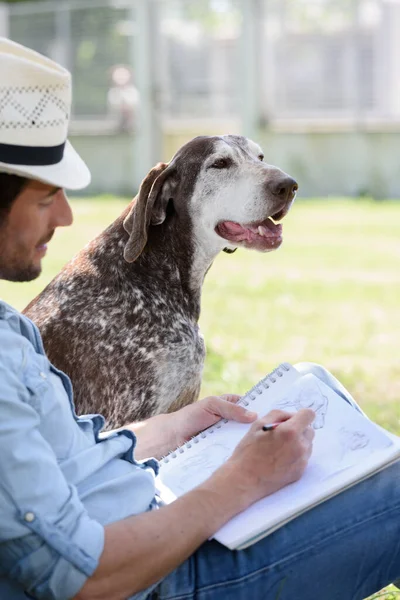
48,543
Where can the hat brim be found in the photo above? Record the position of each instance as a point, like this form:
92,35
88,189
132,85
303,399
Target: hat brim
70,173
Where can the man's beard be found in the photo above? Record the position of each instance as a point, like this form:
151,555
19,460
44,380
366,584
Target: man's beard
15,267
20,274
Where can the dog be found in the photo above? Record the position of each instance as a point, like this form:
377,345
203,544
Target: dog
121,318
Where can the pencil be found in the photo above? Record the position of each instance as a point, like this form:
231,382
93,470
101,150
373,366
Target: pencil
270,426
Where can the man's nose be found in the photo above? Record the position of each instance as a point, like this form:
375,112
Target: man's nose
62,213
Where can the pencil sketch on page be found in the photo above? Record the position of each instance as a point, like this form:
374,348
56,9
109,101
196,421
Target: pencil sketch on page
312,397
351,441
195,468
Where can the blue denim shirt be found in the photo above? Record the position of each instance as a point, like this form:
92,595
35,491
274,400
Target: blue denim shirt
59,482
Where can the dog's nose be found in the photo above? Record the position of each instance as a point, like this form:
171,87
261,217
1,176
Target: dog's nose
284,187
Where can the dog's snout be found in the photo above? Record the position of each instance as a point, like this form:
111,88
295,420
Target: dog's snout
284,187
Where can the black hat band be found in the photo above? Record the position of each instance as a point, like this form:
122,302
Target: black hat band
38,156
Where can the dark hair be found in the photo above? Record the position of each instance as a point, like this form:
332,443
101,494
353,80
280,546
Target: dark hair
10,188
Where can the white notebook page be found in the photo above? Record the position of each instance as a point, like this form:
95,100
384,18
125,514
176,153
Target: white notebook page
198,459
346,445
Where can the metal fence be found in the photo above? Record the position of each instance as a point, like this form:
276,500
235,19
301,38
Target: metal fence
150,74
314,58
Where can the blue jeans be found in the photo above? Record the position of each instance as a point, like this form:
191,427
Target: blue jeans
344,549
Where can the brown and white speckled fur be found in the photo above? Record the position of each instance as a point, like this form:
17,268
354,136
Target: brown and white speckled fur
122,317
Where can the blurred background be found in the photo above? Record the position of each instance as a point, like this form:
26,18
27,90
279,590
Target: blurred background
317,82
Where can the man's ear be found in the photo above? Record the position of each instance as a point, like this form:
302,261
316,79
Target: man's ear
149,207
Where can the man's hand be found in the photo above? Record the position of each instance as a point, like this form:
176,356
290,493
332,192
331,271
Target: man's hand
138,550
161,434
265,461
192,419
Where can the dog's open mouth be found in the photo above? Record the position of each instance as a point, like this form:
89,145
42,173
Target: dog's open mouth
263,236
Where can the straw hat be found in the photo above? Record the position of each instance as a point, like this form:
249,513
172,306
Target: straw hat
35,105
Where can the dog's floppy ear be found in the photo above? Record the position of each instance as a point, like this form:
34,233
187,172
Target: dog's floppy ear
148,207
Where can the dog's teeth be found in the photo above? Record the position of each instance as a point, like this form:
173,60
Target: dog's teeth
260,230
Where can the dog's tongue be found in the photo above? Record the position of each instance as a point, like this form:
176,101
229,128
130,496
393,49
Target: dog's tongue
266,229
263,236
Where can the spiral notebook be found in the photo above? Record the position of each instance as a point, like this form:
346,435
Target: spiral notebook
347,448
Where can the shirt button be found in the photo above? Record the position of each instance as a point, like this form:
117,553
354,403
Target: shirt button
29,517
43,375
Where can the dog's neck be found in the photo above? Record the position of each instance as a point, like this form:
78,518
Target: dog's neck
170,261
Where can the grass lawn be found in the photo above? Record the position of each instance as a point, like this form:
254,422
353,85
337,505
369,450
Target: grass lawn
331,295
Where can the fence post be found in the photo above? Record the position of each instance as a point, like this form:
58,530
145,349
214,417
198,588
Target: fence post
146,140
250,78
62,46
4,19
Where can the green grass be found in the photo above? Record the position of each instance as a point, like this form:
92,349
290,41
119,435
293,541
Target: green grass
390,593
331,295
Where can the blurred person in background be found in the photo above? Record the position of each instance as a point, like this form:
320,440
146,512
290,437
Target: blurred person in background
80,516
123,99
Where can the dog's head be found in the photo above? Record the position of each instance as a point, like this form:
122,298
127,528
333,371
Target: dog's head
222,189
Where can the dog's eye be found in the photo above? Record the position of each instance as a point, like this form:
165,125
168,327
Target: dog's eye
221,163
261,156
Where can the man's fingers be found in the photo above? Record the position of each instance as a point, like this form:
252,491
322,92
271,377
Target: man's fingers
240,413
276,416
309,433
231,397
228,409
303,418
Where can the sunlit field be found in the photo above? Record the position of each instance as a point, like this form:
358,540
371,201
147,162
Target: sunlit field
331,295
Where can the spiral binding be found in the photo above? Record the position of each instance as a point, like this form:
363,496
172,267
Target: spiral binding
251,395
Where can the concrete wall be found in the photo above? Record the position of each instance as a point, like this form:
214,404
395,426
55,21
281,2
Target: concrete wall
110,159
343,162
347,163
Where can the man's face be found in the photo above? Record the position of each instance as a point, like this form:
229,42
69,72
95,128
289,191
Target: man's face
27,228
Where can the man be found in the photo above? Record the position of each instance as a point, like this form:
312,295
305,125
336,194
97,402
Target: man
79,513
